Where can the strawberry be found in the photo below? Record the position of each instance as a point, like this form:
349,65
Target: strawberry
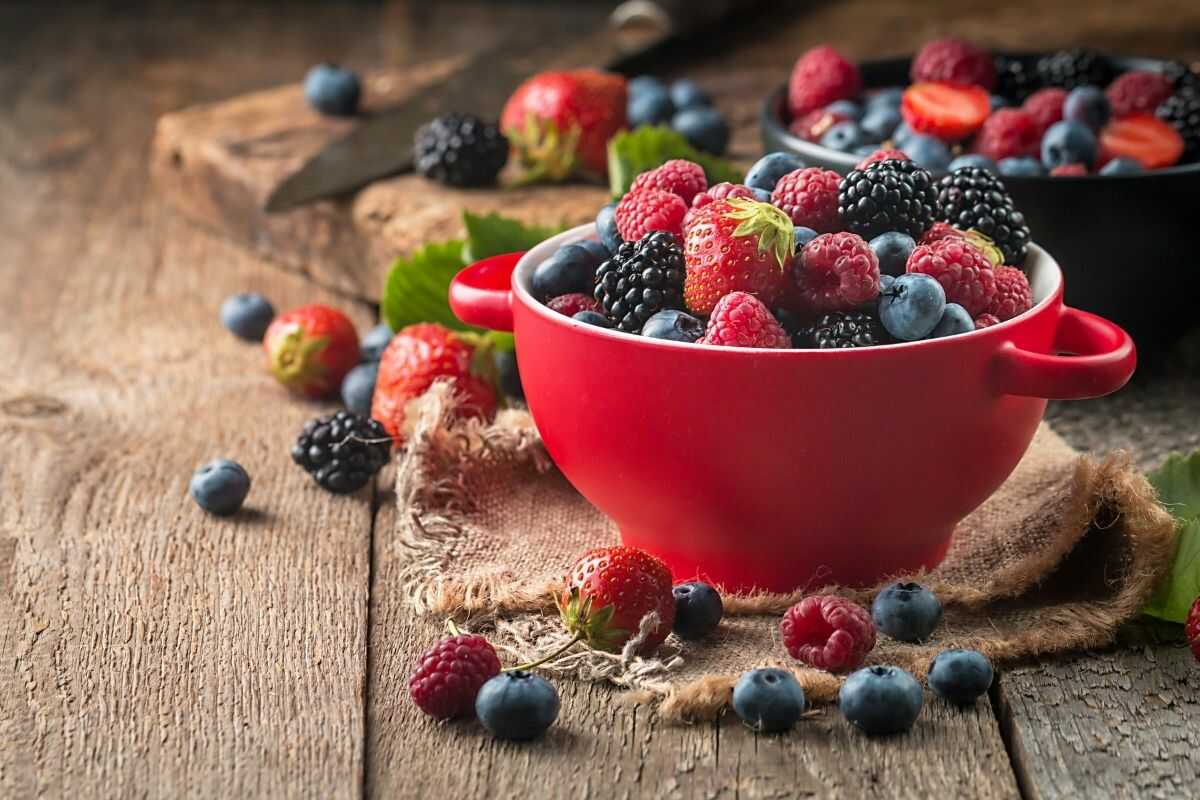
1142,136
560,122
423,353
310,349
608,592
945,110
736,245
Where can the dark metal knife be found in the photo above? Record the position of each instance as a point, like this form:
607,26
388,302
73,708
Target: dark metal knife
382,144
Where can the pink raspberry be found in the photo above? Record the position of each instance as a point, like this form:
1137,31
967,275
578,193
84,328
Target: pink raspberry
810,197
571,304
449,674
1137,92
828,632
647,210
1008,133
836,272
812,126
882,155
718,191
954,61
1069,171
1013,295
986,321
677,176
1046,107
961,268
819,77
740,319
941,230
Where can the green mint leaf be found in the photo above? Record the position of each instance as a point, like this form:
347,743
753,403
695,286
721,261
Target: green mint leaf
417,287
631,153
1178,484
494,235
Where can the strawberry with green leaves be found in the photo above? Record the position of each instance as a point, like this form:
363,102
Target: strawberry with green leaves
310,349
560,122
610,590
736,245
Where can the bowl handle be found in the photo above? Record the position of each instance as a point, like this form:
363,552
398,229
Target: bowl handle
1104,361
481,293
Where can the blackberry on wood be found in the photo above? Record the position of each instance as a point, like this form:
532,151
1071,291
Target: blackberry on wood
460,150
641,279
1078,67
342,451
887,196
1182,76
1015,80
845,329
1182,112
973,198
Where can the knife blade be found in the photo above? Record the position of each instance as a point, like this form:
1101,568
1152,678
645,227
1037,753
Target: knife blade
381,145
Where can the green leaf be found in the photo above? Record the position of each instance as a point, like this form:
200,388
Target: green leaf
494,235
417,286
1178,485
631,153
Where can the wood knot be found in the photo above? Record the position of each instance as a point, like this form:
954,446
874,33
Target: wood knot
33,405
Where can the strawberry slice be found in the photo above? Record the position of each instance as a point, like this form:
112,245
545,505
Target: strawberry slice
1144,137
946,110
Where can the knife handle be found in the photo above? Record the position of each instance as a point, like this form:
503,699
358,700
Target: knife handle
674,17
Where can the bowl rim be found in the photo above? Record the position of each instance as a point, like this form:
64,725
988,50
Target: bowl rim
1051,286
770,120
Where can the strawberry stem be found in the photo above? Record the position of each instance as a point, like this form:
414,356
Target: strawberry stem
544,659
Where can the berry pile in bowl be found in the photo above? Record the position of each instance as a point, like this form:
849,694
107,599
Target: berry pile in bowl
1070,113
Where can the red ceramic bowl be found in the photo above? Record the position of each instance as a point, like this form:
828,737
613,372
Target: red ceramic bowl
777,469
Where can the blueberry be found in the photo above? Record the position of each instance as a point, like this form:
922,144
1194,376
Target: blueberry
517,705
247,315
973,160
927,152
893,249
767,171
912,307
847,108
704,128
886,98
1022,167
358,387
1068,142
955,320
768,700
1122,166
645,83
698,609
597,249
881,700
687,94
676,326
508,376
649,108
220,487
843,137
606,227
803,236
570,269
996,102
906,611
375,342
886,282
761,195
960,676
332,90
880,122
788,319
593,318
902,134
1088,105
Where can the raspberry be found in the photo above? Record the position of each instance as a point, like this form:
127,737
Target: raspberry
828,632
1192,629
647,210
837,272
1069,171
810,197
882,155
1045,106
449,675
718,191
1008,133
954,61
986,321
1013,295
939,231
741,320
961,268
813,125
1137,92
819,77
677,176
571,304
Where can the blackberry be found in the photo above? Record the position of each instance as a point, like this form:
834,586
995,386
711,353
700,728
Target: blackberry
641,279
1078,67
460,150
1015,79
845,329
973,198
1181,75
1182,111
887,196
342,451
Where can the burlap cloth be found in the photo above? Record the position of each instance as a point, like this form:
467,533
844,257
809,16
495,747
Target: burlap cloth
1066,551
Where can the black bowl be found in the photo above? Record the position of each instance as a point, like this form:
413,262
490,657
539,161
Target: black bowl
1122,241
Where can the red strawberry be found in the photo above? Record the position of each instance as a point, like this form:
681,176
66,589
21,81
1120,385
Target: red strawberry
649,209
1192,628
1069,171
819,77
423,353
608,592
677,176
741,320
310,349
945,110
560,122
1142,136
736,245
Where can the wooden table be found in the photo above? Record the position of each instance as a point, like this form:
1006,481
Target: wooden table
147,650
